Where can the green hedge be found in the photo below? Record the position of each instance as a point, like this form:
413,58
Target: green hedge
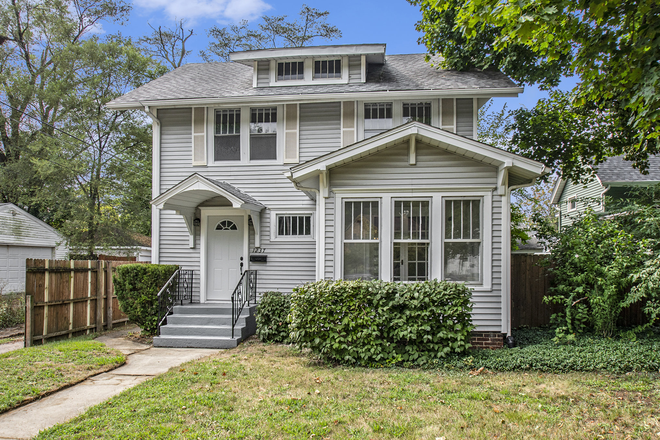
137,287
272,312
381,323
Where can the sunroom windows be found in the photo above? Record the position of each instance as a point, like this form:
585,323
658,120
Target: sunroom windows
416,239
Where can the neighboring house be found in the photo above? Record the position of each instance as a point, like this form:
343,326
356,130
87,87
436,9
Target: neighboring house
23,236
613,179
332,162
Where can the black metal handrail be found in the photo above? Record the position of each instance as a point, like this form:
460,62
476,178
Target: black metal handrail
244,293
177,290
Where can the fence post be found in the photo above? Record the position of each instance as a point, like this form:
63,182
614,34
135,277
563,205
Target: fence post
29,321
99,296
108,294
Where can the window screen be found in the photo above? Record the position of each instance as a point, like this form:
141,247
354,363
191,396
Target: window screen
462,244
327,69
227,141
263,133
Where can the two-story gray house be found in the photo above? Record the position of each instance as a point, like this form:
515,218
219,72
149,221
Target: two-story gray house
330,162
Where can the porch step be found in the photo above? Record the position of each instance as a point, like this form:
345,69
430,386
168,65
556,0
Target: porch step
205,326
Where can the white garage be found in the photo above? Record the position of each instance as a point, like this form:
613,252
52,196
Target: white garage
24,236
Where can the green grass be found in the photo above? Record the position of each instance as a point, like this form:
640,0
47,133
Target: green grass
261,391
29,373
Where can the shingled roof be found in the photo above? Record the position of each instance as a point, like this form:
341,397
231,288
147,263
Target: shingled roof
226,80
618,170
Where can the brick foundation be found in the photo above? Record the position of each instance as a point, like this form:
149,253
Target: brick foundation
492,340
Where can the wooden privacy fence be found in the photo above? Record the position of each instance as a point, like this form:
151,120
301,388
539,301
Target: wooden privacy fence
68,298
530,282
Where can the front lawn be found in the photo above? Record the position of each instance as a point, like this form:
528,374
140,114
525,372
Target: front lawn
261,391
29,373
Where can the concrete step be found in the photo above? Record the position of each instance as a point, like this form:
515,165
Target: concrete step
203,330
195,341
211,309
204,319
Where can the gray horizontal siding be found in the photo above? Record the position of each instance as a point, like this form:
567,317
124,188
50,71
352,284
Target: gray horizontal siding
263,73
355,69
435,167
289,263
465,117
320,129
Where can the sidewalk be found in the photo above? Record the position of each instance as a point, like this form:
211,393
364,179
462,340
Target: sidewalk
143,362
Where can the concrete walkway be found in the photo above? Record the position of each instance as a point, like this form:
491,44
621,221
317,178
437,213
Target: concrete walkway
143,362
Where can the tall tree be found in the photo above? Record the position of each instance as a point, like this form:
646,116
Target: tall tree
612,46
36,72
169,45
274,31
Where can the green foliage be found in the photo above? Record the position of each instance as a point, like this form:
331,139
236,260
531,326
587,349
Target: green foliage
272,312
537,351
12,309
381,323
518,230
612,46
137,287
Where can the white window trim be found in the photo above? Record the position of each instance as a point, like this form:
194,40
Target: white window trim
568,204
429,240
340,219
480,240
436,211
309,72
397,112
245,136
273,226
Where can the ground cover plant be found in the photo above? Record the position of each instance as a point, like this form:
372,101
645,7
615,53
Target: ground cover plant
29,373
537,351
270,391
374,323
12,309
272,313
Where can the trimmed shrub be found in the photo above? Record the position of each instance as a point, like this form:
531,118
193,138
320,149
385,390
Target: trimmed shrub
137,287
272,312
381,323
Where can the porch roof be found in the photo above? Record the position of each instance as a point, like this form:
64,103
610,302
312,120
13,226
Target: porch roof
195,189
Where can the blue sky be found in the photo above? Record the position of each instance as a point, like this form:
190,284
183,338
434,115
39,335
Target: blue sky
390,22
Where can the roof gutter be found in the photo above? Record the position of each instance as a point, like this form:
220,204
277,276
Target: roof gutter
315,97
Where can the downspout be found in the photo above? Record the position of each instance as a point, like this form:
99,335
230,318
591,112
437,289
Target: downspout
507,247
320,219
155,185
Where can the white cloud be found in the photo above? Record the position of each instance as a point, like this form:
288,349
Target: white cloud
222,10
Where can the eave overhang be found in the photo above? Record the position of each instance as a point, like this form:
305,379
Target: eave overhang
375,53
446,140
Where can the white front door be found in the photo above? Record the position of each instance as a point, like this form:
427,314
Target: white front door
224,256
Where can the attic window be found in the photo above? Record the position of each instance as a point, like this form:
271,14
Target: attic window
327,69
377,118
417,111
289,70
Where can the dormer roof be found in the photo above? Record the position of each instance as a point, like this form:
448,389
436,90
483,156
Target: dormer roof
375,53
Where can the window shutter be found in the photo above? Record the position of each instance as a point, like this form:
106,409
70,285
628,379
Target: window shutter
199,136
465,117
347,123
447,122
291,133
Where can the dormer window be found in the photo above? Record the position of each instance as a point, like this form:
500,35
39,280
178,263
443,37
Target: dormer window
290,70
417,111
377,118
327,68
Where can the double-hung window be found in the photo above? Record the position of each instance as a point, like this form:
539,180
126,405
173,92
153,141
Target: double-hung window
289,70
410,243
327,69
377,118
462,240
361,240
417,111
263,133
227,138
